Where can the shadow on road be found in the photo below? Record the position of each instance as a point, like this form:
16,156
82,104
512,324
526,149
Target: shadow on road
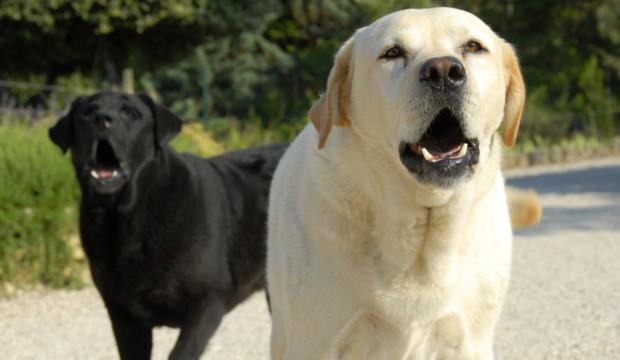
575,200
603,179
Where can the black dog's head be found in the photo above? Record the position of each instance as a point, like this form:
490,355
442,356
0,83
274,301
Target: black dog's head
111,135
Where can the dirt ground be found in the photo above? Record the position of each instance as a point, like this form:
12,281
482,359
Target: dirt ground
563,301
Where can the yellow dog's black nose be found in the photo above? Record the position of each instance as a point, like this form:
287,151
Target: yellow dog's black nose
443,73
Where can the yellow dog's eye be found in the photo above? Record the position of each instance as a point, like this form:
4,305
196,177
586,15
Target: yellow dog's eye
393,52
473,46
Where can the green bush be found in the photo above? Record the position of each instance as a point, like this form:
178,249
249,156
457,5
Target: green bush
37,209
195,140
235,134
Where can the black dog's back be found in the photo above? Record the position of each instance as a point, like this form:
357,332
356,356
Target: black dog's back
243,180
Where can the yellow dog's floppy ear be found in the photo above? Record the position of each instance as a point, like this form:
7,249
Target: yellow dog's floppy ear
515,95
333,106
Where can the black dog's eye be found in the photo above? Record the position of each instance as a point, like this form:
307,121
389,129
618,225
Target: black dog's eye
473,47
131,112
89,111
393,52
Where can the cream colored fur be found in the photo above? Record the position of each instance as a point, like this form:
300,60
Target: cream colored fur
364,261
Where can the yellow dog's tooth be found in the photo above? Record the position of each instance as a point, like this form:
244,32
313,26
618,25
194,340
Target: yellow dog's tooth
428,156
463,150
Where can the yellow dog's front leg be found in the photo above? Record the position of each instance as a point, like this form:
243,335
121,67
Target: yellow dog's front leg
366,336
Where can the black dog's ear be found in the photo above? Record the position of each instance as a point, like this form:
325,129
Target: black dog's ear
62,133
167,124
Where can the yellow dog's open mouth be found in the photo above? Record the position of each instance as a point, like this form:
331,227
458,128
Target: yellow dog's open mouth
443,154
443,140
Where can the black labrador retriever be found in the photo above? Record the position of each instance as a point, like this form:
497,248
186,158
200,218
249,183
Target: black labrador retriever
172,239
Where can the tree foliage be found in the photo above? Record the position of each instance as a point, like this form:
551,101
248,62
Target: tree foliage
100,37
269,59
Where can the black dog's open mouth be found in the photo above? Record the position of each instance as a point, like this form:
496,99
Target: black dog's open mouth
443,153
106,164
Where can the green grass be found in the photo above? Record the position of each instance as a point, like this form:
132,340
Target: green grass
235,135
194,140
577,142
37,209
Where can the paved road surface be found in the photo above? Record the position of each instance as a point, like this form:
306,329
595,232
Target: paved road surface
564,300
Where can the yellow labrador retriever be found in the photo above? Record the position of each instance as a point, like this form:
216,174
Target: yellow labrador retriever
389,233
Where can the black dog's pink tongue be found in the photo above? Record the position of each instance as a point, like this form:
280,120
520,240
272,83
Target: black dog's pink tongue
104,174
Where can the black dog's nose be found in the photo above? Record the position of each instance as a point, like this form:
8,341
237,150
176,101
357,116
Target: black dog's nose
103,120
443,73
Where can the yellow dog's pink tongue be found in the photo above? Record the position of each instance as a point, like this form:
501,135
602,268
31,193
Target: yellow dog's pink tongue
435,155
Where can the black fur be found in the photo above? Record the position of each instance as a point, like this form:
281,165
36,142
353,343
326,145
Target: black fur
171,239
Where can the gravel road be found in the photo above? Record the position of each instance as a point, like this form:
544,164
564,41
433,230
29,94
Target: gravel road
563,303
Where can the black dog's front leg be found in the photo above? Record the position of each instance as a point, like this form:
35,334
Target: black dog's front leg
200,324
133,339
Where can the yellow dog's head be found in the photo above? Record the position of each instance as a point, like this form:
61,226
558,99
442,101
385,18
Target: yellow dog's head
428,88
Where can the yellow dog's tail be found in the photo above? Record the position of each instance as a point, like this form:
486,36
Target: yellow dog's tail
524,207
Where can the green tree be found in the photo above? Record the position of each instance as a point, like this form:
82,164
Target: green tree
99,37
269,59
266,60
239,59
